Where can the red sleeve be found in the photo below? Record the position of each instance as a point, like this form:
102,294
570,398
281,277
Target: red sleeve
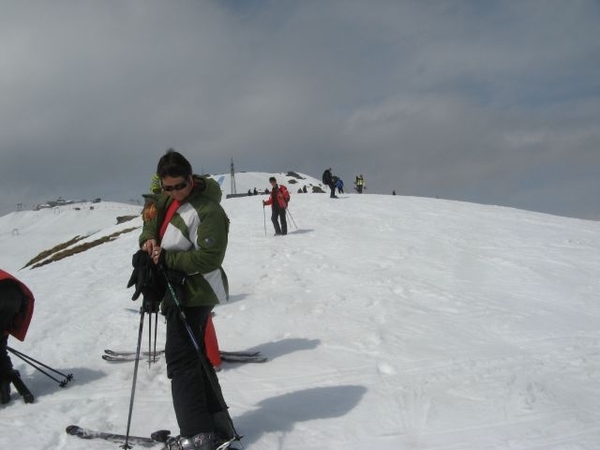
21,323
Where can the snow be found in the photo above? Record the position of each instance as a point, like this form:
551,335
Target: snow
390,322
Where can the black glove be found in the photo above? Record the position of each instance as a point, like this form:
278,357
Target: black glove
146,280
151,302
139,277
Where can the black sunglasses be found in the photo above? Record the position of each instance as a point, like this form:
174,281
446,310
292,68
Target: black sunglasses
176,187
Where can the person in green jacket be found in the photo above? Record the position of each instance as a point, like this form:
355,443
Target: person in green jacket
186,230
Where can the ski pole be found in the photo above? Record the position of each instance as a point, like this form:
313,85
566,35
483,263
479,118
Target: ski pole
135,371
149,339
264,220
287,210
155,334
36,365
203,362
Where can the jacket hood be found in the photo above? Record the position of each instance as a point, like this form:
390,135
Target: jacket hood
204,186
208,187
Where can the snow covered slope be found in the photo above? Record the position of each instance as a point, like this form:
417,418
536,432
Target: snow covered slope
390,322
248,181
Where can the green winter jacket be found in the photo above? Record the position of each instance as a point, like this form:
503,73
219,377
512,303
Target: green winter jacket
195,240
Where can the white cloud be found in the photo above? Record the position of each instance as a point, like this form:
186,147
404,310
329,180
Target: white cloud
386,88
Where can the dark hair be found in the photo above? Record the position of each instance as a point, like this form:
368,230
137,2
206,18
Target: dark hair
272,179
173,164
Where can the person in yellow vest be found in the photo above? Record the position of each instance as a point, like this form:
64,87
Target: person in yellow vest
360,183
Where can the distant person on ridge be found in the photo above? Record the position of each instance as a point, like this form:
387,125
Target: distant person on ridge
16,309
328,181
339,184
360,183
278,200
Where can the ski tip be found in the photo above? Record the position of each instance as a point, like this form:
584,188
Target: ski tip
72,429
112,358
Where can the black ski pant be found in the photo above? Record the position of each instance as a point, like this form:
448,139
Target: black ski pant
5,371
332,187
5,362
192,381
278,215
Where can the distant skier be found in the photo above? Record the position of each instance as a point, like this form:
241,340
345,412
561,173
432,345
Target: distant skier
339,184
278,200
328,181
359,183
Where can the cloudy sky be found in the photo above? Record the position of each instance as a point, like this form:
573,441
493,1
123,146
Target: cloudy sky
491,102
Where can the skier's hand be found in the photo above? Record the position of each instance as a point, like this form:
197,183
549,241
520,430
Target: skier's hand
158,256
150,246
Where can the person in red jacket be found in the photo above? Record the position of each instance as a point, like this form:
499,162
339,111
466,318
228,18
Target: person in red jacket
16,309
278,200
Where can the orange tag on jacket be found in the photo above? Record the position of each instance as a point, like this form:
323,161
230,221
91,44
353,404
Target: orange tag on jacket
149,212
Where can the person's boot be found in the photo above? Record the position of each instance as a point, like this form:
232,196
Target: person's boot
201,441
172,443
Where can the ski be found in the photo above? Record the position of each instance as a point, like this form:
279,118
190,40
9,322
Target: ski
126,353
224,353
156,438
146,353
227,356
125,358
240,358
159,437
